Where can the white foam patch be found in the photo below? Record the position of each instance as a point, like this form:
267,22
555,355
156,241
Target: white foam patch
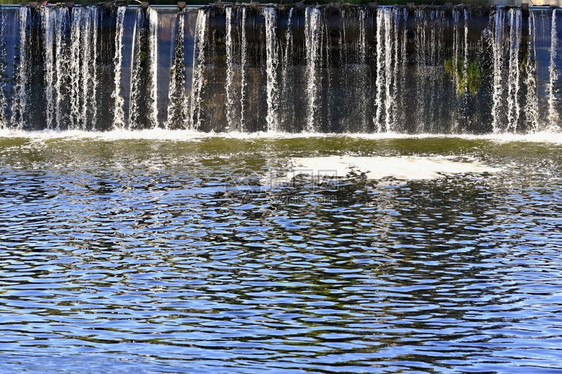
187,135
407,168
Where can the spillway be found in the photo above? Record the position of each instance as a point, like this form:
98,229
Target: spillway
282,68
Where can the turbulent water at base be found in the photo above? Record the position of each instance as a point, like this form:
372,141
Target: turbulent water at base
330,68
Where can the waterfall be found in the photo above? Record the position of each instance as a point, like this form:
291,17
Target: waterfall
60,55
299,68
388,69
385,95
229,71
89,67
118,109
143,112
465,58
380,72
403,66
553,75
70,67
75,71
363,71
3,68
513,87
243,60
287,111
49,20
532,104
153,44
19,105
312,41
272,62
497,53
178,104
198,68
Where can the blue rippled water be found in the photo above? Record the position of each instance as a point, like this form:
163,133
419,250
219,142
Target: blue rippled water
160,256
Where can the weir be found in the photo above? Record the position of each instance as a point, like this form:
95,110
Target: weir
282,68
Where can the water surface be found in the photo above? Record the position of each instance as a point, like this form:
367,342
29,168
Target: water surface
147,255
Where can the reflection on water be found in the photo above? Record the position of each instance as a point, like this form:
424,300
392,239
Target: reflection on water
162,256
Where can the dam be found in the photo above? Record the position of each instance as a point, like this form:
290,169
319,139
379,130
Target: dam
290,188
295,68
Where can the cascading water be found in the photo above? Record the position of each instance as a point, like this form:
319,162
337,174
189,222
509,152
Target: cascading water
229,70
363,71
553,76
287,93
119,102
272,63
332,68
60,28
243,60
143,112
312,38
532,104
198,68
513,109
386,78
497,50
49,21
3,68
19,104
178,103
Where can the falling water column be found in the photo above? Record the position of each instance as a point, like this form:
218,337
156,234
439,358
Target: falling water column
177,115
198,68
229,71
272,62
119,102
3,67
531,102
48,18
553,76
143,113
513,109
497,53
20,95
312,41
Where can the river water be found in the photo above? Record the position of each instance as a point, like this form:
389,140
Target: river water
207,254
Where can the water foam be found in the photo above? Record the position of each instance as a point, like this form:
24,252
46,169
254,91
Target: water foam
193,135
378,167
